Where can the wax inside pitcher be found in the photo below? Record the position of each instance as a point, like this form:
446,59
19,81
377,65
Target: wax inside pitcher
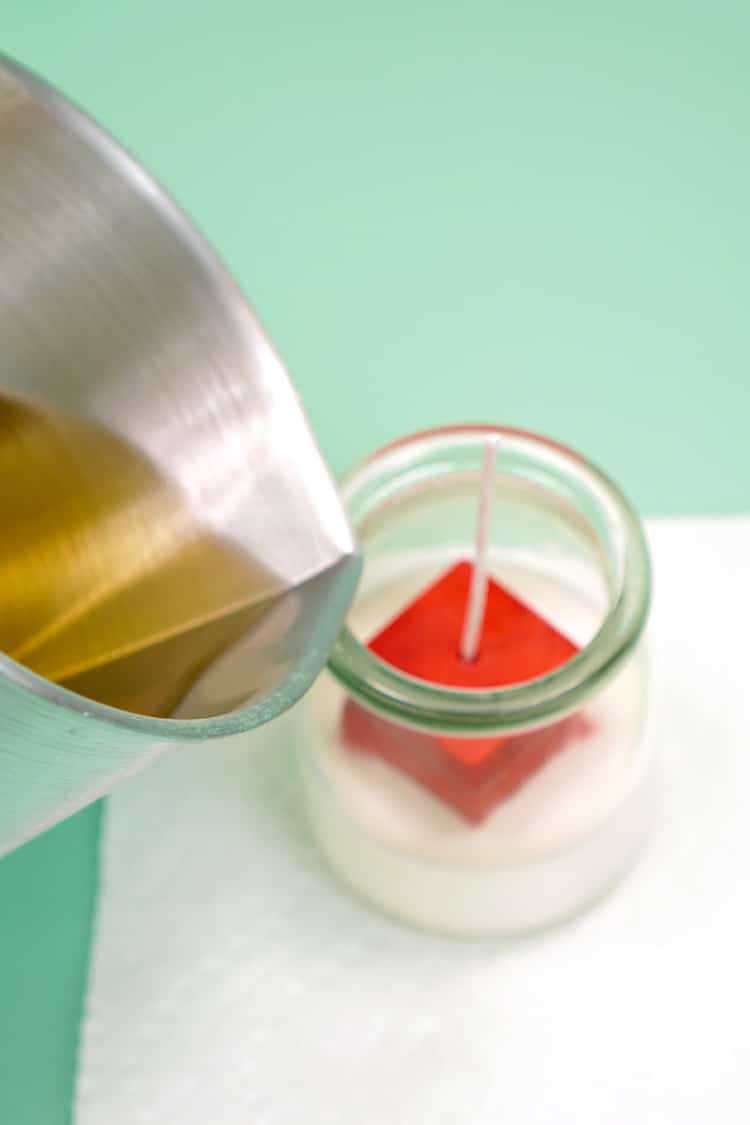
107,583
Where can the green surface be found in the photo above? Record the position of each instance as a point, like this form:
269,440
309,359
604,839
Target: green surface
47,891
530,213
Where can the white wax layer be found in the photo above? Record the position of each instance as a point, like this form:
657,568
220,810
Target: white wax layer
540,856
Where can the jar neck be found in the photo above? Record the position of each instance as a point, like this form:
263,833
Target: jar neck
559,479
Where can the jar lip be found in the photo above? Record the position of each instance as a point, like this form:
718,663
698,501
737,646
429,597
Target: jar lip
415,702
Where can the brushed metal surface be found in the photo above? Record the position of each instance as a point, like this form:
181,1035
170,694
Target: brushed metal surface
171,536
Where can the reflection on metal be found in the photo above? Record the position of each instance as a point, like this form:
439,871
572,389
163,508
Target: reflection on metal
165,511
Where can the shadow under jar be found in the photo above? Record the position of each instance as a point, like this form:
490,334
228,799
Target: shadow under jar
504,808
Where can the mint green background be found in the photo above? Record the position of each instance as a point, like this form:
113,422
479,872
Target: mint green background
524,212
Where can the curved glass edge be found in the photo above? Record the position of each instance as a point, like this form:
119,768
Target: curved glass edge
424,706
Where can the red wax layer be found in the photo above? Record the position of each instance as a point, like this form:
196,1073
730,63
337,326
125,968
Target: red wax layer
471,774
473,791
516,644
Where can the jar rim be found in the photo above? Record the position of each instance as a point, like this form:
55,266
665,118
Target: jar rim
415,702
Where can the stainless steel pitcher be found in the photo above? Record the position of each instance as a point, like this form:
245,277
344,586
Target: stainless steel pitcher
175,562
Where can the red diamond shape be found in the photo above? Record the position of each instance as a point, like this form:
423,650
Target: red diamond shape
472,775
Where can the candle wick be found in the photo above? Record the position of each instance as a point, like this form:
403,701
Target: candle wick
476,603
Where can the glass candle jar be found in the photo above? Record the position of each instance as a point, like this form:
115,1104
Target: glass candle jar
501,809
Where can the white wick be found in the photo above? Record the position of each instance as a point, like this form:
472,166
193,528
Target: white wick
476,603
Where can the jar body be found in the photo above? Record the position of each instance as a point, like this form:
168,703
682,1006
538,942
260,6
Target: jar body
554,802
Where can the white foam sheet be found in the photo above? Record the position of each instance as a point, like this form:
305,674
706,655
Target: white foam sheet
233,982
